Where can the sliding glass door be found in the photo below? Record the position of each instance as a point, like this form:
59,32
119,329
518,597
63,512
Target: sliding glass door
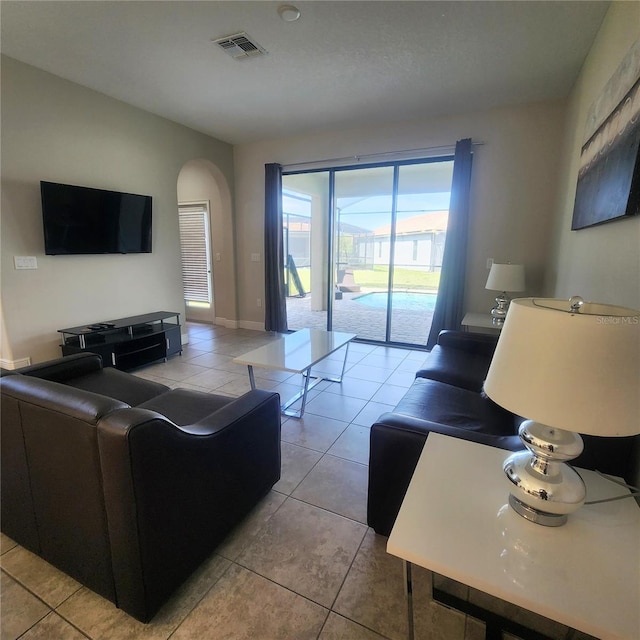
363,207
364,248
422,212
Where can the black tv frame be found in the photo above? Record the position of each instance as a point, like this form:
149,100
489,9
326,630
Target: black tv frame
80,220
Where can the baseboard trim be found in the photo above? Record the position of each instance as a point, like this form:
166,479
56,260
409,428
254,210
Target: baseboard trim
248,324
14,364
229,324
237,324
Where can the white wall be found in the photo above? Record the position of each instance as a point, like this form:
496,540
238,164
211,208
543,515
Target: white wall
600,263
513,188
59,131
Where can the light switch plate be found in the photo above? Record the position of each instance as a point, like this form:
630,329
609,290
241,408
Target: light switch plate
25,262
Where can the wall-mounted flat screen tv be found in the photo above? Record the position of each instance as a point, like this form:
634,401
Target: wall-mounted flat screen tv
81,220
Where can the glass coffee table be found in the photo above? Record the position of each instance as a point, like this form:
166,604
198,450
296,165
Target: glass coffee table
298,352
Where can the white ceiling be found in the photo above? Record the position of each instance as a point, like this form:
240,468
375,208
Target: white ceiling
342,64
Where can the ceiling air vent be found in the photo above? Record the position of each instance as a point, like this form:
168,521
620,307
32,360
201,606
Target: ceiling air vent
240,46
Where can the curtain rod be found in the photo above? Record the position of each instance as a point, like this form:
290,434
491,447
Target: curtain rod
368,156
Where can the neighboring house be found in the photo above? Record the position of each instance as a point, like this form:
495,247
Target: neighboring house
419,242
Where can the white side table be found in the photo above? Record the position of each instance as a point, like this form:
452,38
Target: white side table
455,521
482,321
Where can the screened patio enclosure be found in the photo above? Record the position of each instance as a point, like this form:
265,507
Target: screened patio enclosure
363,248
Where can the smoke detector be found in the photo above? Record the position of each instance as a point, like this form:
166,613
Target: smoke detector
288,12
240,46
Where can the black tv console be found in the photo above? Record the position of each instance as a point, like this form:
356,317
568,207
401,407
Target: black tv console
127,343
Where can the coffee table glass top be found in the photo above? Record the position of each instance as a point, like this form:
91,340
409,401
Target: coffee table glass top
296,352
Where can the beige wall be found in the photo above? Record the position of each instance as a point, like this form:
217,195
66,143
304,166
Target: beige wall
58,131
513,189
599,263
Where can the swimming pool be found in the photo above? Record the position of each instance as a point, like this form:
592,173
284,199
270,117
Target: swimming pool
402,300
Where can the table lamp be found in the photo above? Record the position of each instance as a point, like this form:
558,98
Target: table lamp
570,367
504,277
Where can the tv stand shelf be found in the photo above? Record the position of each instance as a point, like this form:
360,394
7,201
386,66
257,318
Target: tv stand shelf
127,343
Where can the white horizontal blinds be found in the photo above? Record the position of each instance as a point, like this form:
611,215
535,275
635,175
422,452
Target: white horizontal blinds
194,236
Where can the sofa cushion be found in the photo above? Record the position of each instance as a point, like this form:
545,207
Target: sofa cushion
118,385
443,403
184,406
456,367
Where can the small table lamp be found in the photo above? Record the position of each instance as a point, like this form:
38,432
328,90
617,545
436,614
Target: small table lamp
570,367
504,277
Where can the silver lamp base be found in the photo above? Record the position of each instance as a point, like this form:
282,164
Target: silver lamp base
535,515
499,312
544,489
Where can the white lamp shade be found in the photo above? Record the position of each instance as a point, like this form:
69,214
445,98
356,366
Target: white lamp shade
570,370
506,277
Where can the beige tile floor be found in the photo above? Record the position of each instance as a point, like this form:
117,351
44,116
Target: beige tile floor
303,565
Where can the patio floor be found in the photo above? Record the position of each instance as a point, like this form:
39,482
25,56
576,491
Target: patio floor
408,327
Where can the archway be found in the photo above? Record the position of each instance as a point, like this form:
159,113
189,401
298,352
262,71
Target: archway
201,181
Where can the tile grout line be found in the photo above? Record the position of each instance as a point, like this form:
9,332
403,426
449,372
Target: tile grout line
204,595
46,604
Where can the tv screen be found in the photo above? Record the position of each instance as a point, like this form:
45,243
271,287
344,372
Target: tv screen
81,220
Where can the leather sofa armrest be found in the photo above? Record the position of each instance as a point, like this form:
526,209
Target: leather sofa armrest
173,493
65,368
396,442
246,407
481,343
420,427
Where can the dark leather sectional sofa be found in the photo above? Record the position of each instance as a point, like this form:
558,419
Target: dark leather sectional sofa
446,397
123,483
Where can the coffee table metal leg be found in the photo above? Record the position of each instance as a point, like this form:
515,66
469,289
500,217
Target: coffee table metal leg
306,386
408,591
344,366
305,392
344,362
301,394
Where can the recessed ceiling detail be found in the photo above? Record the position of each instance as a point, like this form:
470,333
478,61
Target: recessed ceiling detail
288,12
240,46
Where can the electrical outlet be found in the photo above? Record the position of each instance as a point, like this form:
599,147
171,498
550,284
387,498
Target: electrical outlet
25,262
259,302
255,257
489,263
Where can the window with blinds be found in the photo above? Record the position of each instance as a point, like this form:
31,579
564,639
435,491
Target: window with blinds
194,242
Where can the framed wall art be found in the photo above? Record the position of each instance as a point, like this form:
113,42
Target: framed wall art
609,175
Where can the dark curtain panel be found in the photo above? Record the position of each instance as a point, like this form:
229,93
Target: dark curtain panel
275,307
449,309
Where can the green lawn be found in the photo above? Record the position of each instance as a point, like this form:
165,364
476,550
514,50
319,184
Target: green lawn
403,278
377,278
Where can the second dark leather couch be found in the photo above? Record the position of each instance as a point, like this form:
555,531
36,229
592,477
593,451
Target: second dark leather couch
446,397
